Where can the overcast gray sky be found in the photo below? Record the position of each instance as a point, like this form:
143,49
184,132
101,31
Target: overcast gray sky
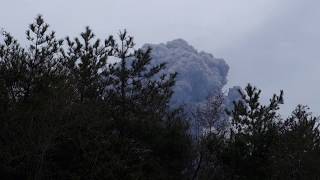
273,44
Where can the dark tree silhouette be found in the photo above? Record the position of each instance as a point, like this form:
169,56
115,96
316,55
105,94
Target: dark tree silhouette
68,112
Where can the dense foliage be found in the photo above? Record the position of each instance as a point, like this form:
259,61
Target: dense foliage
67,112
259,144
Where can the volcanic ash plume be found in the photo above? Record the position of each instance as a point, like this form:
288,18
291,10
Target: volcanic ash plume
200,74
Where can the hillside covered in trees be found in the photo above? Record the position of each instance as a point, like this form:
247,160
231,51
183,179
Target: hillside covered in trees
66,112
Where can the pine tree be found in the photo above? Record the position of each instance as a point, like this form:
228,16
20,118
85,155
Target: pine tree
253,135
299,151
32,83
67,113
86,59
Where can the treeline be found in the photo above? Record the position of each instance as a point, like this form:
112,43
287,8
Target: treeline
66,112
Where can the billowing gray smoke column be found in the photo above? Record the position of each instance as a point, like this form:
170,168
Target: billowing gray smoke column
233,95
200,74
